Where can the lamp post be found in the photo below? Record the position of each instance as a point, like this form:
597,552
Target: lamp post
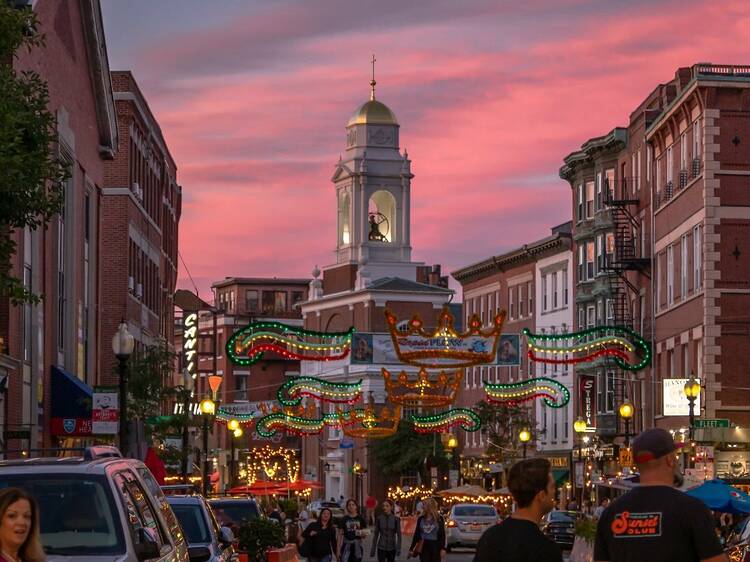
579,426
524,436
692,390
627,410
208,408
123,343
233,426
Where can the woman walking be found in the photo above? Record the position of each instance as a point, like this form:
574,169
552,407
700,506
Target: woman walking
19,527
319,538
429,536
353,530
387,537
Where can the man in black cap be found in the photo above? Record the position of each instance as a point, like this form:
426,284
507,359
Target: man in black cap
654,522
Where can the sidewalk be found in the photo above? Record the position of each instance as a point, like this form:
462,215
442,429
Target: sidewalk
405,543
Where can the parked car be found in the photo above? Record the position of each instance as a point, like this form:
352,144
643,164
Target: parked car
466,523
336,510
233,512
98,507
207,542
738,543
560,526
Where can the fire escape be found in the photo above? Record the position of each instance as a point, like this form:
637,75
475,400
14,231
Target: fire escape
624,254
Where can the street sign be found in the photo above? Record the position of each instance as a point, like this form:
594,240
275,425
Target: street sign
17,434
626,456
702,424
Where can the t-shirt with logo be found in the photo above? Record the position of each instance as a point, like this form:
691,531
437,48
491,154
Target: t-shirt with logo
656,524
352,525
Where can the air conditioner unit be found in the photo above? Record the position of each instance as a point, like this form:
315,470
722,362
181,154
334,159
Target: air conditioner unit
139,290
131,283
136,188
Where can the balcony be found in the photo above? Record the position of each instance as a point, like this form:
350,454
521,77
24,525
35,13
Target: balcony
722,70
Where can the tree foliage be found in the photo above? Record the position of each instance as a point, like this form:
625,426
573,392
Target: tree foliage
501,424
32,173
407,452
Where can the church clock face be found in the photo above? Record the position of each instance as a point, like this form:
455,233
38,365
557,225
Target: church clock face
379,136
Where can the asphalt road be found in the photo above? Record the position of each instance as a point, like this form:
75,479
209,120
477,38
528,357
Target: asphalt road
456,554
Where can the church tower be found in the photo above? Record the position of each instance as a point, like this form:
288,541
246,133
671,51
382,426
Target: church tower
373,190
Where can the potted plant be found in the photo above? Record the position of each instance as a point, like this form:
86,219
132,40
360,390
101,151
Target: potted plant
258,536
583,547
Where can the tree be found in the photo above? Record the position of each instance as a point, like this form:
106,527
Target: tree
408,451
501,424
32,173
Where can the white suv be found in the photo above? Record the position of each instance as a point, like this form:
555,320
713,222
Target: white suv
98,507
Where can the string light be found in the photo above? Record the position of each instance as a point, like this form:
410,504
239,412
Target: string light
553,393
419,492
291,392
247,346
613,339
445,347
435,423
274,464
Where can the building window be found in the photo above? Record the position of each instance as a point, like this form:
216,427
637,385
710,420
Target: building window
580,263
511,303
589,260
610,179
27,276
581,317
658,276
633,173
699,359
280,302
530,294
521,302
599,191
610,401
251,301
555,303
554,425
565,287
658,175
670,164
589,199
610,306
600,253
697,143
683,152
590,316
268,302
698,257
566,422
684,267
670,274
610,247
670,363
580,215
61,234
544,293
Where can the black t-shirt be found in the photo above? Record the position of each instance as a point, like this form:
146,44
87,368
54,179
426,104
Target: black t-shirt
350,525
658,524
516,540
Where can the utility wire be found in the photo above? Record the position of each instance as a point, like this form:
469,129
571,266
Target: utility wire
188,272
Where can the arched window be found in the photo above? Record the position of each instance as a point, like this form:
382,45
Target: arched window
382,217
345,227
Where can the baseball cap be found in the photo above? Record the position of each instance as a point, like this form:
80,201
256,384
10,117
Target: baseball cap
653,444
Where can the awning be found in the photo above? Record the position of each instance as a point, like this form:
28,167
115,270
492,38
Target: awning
70,404
561,475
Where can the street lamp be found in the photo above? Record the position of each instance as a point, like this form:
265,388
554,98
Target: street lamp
233,426
692,390
208,408
524,436
123,343
627,410
580,426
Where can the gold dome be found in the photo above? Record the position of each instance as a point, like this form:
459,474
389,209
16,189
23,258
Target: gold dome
373,112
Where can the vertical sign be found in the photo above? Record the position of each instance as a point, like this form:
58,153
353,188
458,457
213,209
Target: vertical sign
190,342
105,413
587,400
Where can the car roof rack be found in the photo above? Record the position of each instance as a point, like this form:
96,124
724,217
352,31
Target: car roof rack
90,453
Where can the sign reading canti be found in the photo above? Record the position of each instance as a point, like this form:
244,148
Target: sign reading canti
190,342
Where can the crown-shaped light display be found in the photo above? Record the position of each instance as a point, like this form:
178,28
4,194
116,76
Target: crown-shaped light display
440,391
445,347
626,347
370,422
247,346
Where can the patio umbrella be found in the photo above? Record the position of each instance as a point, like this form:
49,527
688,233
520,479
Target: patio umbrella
720,496
257,488
300,486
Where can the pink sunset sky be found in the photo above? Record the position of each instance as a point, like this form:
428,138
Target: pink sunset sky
253,98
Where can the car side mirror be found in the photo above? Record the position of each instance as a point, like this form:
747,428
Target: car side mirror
146,548
226,537
199,553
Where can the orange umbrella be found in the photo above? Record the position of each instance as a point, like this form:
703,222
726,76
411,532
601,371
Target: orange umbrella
300,486
257,488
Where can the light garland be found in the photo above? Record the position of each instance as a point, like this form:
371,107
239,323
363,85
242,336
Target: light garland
553,393
269,424
272,464
422,392
440,422
291,392
614,341
445,347
247,346
399,494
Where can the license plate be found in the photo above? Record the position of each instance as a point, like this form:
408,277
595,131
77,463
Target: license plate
476,527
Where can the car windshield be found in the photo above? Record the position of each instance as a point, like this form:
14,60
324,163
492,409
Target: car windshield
235,512
474,511
77,513
193,523
566,516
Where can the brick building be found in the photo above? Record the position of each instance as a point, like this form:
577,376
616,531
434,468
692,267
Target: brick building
677,210
516,282
52,349
140,213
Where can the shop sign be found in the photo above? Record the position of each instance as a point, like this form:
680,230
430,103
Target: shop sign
105,411
587,400
732,464
558,462
675,401
190,343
